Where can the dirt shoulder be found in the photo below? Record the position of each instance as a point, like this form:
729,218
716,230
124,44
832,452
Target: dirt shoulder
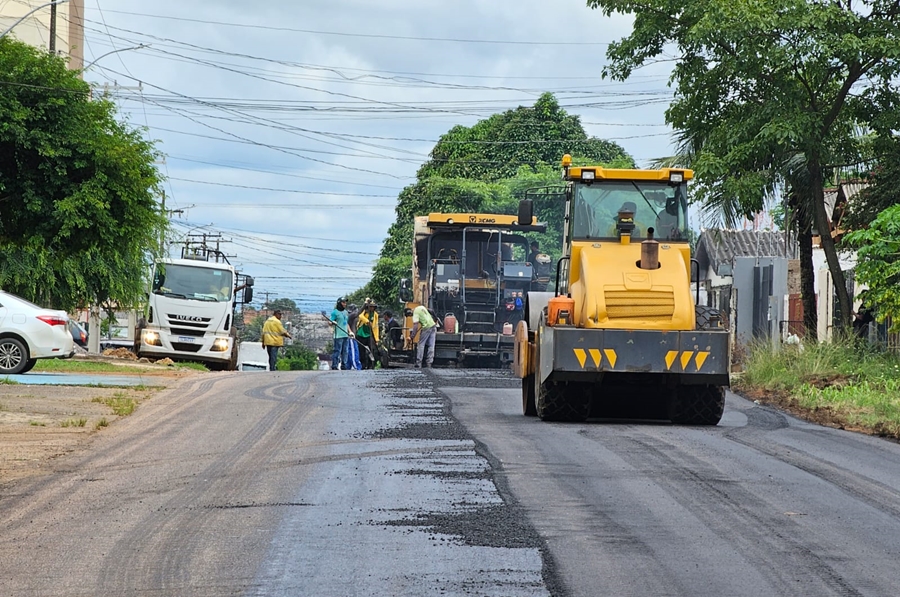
39,423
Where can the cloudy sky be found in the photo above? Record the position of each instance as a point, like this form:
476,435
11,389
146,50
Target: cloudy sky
289,128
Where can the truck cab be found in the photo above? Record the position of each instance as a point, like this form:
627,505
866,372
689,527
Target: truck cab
190,314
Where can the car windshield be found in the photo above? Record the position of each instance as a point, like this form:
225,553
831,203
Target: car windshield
191,282
657,205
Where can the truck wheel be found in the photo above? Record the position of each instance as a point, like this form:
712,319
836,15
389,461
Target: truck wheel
697,405
707,318
528,408
562,402
233,358
13,356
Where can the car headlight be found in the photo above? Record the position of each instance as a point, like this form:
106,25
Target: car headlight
220,345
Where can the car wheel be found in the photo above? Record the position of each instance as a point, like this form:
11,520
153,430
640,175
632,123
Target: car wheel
29,365
13,356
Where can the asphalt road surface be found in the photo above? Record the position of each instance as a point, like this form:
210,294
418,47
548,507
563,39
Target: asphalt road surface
402,483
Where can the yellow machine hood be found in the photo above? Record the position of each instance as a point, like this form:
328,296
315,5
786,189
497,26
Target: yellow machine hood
611,291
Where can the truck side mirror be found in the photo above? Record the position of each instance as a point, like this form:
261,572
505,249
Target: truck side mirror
526,212
248,294
405,294
248,281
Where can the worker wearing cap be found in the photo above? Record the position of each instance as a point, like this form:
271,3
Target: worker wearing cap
273,335
339,357
367,332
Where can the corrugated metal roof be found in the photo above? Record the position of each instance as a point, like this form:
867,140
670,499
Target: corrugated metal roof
716,248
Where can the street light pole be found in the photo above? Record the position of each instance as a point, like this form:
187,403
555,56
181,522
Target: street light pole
31,12
94,61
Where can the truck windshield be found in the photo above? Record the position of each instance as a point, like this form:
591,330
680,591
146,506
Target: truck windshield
195,283
657,205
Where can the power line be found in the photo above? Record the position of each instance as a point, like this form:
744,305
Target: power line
365,35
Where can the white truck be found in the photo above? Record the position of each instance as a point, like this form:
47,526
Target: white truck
190,313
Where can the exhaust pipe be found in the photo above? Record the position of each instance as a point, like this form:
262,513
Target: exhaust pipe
650,252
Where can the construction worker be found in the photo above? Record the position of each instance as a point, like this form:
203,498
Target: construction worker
367,332
423,319
273,335
340,356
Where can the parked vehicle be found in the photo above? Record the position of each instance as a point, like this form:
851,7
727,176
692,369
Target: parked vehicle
79,335
191,309
29,332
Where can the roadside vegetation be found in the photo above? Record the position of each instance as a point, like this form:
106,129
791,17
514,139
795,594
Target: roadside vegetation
83,366
841,384
121,404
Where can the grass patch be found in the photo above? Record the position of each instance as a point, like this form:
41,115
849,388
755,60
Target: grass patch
102,423
121,404
5,381
37,424
840,384
192,366
74,366
74,422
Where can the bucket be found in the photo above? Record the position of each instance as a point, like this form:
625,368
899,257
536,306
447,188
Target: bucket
507,329
449,323
561,311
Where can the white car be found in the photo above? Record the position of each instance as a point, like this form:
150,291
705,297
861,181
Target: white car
29,333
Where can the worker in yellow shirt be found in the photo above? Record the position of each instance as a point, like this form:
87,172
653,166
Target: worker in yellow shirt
273,335
367,333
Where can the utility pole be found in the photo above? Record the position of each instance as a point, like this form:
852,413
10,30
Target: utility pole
53,29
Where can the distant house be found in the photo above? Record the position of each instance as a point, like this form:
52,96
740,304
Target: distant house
753,277
745,275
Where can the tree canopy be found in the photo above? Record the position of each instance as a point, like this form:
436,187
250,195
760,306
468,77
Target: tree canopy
758,84
78,188
495,148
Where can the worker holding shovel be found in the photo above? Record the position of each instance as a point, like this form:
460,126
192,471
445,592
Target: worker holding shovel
338,319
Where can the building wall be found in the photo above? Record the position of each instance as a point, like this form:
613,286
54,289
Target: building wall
825,303
35,29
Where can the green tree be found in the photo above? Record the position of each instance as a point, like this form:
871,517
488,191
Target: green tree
283,304
79,215
496,147
297,357
252,332
758,83
878,265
